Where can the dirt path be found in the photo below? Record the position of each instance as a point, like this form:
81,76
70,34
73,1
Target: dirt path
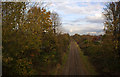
74,65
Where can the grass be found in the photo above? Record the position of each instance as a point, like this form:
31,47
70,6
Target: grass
59,68
88,65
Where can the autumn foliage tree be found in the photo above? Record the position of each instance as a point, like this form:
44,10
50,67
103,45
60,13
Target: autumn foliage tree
30,46
12,16
112,23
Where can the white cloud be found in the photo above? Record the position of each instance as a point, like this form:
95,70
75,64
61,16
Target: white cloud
84,29
81,18
73,8
91,32
97,18
68,0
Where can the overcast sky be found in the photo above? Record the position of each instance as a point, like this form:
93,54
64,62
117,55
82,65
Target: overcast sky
80,16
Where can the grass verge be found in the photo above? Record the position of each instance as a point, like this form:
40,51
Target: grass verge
59,67
90,68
